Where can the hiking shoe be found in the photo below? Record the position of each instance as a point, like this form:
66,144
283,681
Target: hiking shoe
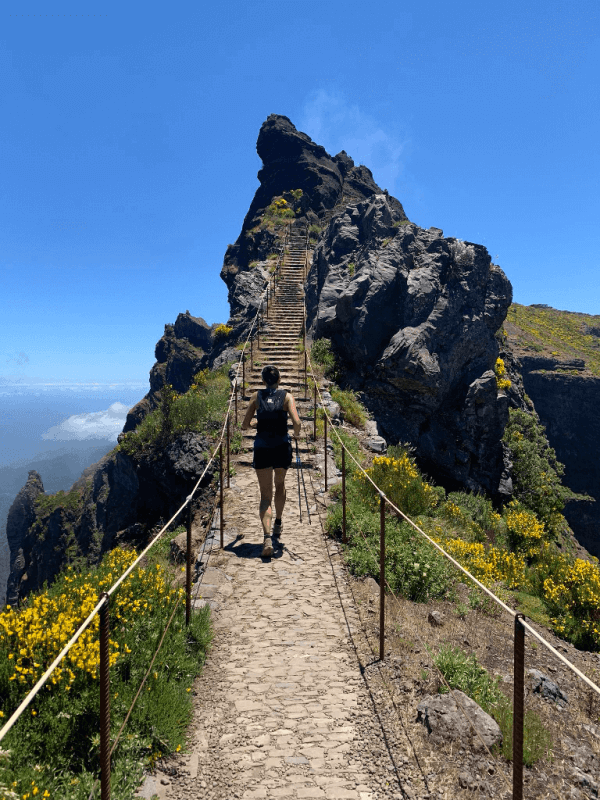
267,547
277,528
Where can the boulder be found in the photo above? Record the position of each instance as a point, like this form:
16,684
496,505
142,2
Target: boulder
541,684
435,619
444,721
377,444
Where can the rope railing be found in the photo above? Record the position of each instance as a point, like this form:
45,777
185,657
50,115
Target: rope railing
520,624
457,700
103,602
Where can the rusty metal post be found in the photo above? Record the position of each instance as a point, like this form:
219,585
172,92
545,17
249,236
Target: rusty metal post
251,353
243,376
221,490
305,378
258,331
325,448
267,312
188,567
381,576
344,537
104,701
315,415
235,397
228,452
518,708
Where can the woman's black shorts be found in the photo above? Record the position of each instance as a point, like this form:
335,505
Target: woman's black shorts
276,457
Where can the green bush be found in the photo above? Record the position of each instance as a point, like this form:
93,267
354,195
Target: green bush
314,232
536,470
321,354
351,445
54,745
354,411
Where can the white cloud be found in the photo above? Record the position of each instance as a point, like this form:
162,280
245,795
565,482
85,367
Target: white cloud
330,120
93,425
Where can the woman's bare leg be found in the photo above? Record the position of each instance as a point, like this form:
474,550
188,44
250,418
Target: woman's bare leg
280,474
265,482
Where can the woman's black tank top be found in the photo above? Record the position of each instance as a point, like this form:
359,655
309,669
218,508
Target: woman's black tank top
271,425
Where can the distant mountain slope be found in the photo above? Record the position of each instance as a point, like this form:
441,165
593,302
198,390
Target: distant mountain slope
564,337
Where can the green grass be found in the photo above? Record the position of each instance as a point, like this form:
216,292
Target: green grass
463,672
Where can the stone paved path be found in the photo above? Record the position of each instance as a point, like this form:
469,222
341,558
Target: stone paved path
279,704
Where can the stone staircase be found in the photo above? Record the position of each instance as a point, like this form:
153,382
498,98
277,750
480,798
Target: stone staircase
281,331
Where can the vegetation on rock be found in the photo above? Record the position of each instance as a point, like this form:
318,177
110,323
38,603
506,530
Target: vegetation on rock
53,751
201,408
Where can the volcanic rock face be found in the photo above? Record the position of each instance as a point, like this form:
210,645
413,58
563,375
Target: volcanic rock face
412,316
291,161
180,353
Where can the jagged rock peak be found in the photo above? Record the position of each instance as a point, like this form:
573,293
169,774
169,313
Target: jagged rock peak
291,162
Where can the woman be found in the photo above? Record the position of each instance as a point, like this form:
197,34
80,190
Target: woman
272,448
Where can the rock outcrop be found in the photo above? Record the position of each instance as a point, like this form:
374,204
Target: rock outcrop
312,183
180,353
412,317
558,371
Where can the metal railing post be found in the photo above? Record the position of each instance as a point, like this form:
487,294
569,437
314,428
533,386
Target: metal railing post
258,331
235,398
305,378
381,576
315,415
344,537
518,708
221,490
251,353
228,452
325,440
188,567
104,701
243,376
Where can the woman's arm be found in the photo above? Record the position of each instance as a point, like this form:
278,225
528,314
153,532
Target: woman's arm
290,407
249,413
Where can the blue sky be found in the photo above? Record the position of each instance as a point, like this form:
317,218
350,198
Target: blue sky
129,161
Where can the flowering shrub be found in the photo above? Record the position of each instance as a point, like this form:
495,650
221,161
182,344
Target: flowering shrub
222,331
401,481
488,566
525,531
572,594
501,382
279,209
53,746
